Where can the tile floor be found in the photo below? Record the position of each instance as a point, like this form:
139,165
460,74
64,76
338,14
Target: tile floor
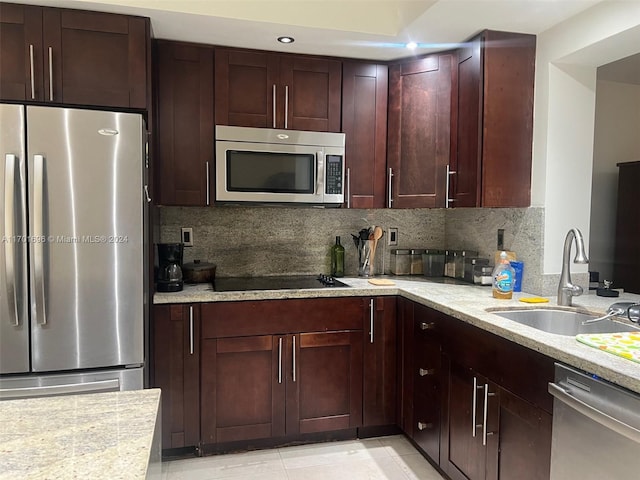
381,458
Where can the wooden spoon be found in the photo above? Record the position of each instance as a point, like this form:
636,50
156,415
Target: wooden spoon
377,235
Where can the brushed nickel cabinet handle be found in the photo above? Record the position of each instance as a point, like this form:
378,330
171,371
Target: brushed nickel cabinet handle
208,178
424,425
389,198
286,106
294,358
427,325
280,360
273,103
50,74
348,188
449,200
371,319
474,409
33,80
191,330
487,394
426,371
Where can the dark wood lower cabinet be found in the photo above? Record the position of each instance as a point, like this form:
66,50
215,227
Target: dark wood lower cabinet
242,392
176,371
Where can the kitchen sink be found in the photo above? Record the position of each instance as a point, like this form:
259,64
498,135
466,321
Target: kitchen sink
563,322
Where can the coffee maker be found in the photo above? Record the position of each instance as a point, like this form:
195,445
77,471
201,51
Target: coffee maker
169,277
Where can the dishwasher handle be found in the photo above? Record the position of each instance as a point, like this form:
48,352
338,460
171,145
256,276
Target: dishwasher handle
594,414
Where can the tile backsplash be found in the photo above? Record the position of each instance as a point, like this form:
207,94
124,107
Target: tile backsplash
261,241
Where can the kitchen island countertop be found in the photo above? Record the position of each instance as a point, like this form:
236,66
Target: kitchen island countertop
101,435
465,302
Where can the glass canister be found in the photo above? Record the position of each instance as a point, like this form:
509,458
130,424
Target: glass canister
400,261
433,263
416,261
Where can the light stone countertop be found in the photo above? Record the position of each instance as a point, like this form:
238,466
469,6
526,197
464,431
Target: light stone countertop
468,303
90,436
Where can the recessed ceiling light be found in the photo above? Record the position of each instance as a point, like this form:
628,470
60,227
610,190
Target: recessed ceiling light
286,39
412,45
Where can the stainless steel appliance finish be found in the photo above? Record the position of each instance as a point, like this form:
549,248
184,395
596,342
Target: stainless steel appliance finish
78,176
596,428
263,165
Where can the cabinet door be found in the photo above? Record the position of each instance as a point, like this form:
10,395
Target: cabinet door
380,369
185,124
522,443
364,122
311,92
243,388
405,359
507,129
245,88
94,58
464,454
20,52
419,131
176,371
324,381
465,191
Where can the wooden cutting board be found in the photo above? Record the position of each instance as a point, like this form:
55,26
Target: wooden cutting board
381,282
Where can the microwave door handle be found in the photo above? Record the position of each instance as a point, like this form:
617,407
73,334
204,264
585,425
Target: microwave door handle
319,172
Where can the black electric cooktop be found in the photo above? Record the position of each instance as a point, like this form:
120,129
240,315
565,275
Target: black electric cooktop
239,284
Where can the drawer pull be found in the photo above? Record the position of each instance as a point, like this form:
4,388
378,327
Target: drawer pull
424,426
427,326
426,371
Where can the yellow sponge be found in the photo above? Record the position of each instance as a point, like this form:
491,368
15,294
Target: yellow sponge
534,300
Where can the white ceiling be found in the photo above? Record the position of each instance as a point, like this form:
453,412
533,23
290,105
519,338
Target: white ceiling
371,29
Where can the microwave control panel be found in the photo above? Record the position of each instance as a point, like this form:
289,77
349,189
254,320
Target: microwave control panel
334,175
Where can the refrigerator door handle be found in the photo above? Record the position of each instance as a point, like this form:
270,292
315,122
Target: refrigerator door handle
67,389
38,238
9,239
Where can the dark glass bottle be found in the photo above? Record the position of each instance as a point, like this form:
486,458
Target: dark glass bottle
337,259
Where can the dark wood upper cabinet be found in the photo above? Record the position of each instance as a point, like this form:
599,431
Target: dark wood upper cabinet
364,122
176,371
263,89
493,121
419,131
184,99
73,57
21,76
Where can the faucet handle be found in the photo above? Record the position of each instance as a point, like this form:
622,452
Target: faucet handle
576,290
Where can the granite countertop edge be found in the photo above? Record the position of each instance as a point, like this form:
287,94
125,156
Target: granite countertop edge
468,303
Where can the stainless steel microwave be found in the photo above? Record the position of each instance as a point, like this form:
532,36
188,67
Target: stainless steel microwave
264,165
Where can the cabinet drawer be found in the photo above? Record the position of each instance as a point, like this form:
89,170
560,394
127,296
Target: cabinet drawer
269,317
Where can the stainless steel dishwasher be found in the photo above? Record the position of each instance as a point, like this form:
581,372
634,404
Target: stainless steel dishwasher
596,428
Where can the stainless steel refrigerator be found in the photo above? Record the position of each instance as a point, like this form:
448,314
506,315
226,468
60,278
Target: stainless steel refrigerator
72,251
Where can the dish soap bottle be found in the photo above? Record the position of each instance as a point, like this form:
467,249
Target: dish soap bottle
337,259
503,278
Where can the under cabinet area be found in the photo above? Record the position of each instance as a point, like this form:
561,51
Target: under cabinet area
73,57
264,89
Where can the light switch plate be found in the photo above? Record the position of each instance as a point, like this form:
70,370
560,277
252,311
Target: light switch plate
186,236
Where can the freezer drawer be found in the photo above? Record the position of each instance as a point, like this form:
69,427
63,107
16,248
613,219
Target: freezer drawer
70,384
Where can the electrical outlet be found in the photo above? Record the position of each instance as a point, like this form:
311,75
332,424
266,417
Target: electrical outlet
501,239
392,237
186,234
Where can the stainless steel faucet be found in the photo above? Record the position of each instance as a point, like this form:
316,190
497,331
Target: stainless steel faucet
566,289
